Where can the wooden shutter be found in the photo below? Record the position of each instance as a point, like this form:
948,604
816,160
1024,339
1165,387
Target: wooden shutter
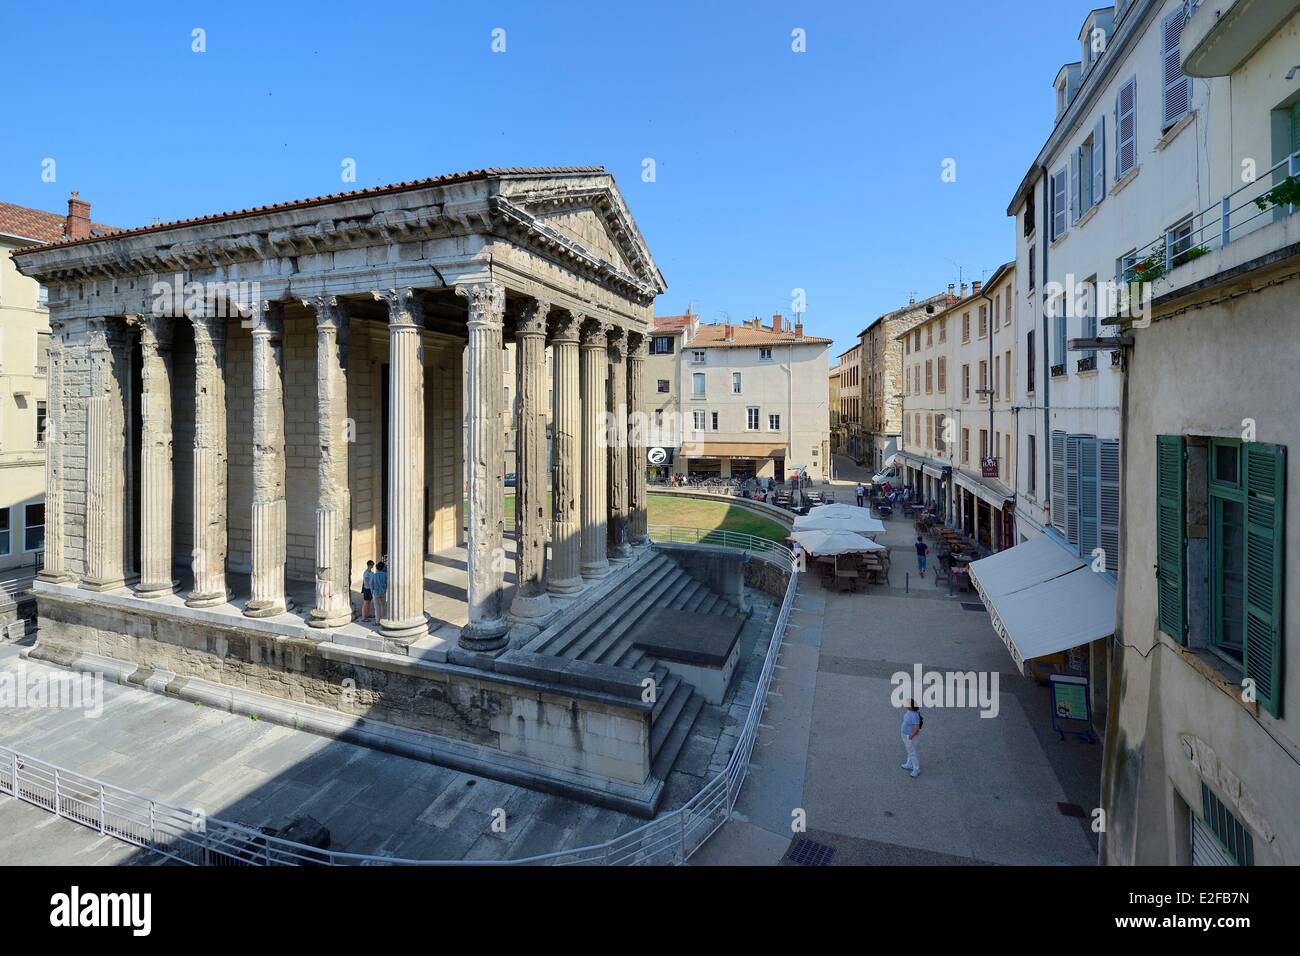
1073,453
1089,498
1108,493
1099,161
1076,208
1058,481
1265,467
1171,563
1060,187
1126,128
1177,85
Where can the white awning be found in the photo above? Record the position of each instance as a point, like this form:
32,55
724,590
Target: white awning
992,495
1044,600
932,471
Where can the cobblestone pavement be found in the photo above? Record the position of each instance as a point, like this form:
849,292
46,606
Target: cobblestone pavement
830,746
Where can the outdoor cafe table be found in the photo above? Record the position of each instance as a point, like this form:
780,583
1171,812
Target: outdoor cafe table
847,577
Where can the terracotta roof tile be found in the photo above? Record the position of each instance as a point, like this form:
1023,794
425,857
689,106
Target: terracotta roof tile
714,336
36,223
673,323
407,186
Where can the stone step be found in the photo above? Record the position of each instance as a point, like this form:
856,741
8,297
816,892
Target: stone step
606,628
545,641
671,701
689,594
709,604
566,639
662,763
670,688
700,597
608,650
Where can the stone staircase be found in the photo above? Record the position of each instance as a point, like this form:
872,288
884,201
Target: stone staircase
602,634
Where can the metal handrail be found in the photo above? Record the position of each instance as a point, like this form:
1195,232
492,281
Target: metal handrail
187,836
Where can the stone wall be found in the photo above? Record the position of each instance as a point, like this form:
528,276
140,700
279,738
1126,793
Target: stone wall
766,576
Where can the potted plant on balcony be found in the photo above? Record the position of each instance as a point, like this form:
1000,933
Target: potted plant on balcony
1285,193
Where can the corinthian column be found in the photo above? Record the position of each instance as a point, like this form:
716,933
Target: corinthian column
638,348
593,351
531,599
487,626
55,567
106,461
616,422
334,497
210,460
565,573
405,620
270,522
156,475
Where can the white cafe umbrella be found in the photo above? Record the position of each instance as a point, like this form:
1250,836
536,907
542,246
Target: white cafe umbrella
839,518
825,544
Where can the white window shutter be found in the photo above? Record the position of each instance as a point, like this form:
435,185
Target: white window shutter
1089,503
1075,210
1177,85
1072,488
1058,481
1126,128
1099,161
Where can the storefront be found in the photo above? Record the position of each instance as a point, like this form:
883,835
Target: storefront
659,462
704,467
986,510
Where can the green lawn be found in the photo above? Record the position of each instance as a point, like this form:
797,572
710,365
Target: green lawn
695,513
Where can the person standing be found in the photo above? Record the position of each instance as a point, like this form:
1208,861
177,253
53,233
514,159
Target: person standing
379,585
367,592
862,494
912,723
922,549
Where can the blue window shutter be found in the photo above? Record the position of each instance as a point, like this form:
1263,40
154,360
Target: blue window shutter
1089,500
1099,161
1075,212
1171,553
1072,488
1058,481
1265,467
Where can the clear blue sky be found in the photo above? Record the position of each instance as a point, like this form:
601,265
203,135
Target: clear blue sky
775,170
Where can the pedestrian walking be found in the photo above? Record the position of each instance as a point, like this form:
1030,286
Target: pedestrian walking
922,549
367,592
862,494
379,585
912,724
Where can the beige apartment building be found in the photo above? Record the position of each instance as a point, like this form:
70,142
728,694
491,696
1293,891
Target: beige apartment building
737,400
882,377
833,393
850,403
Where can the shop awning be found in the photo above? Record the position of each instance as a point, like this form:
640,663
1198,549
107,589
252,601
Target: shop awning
990,490
724,449
1043,599
933,471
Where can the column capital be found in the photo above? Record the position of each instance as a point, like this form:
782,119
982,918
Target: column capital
209,328
638,345
593,333
331,312
487,302
404,307
565,325
266,317
617,339
532,319
155,330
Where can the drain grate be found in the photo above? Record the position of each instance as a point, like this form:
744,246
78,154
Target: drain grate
1072,810
972,607
806,852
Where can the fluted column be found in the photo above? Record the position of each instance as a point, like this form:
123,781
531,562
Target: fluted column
270,521
531,600
616,442
595,519
210,462
487,626
405,618
157,479
106,461
565,573
334,497
638,527
55,567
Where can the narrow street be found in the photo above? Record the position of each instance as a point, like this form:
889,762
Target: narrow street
990,788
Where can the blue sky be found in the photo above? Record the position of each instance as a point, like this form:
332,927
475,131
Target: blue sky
775,170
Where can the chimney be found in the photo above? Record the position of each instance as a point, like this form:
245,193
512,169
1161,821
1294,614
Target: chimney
798,330
952,290
727,334
963,290
77,225
975,287
776,322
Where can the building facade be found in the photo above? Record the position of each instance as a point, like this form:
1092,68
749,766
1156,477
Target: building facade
851,440
1202,759
833,394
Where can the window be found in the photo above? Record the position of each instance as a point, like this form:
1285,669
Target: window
1085,495
697,384
663,386
1060,188
965,383
40,424
1031,269
34,527
929,432
984,443
714,417
997,374
916,341
659,418
42,353
751,418
1031,470
984,380
1178,241
1224,828
1060,328
938,433
1029,362
1088,321
765,355
506,400
661,345
1089,167
42,296
1029,215
1177,87
735,383
984,321
943,330
699,420
943,374
997,311
929,335
1126,128
697,357
6,544
965,327
505,360
774,423
929,377
965,445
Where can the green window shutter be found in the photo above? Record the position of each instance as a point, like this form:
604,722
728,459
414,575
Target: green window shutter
1109,493
1295,128
1265,467
1171,557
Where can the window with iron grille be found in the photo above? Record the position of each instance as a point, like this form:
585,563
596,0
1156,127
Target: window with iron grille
1224,825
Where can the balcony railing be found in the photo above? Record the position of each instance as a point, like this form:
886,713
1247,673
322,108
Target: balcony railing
1115,357
1057,371
1267,198
1088,363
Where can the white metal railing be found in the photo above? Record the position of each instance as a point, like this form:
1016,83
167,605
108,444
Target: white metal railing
1233,216
187,836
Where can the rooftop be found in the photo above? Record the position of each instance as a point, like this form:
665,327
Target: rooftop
23,222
